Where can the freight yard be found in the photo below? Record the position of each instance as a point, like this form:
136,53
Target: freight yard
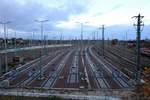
68,68
77,68
74,50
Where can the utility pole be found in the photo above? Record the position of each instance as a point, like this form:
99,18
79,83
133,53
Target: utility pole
45,44
30,39
94,36
81,32
97,36
103,39
108,41
15,42
5,43
42,45
126,41
138,46
61,37
33,39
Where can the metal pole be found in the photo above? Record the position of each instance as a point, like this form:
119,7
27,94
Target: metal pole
40,62
103,38
126,40
94,36
33,38
5,43
42,45
15,42
45,44
60,38
97,36
138,46
81,34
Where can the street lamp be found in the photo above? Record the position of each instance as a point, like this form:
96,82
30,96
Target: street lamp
5,43
41,22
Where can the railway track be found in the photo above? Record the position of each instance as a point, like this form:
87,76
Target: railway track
120,54
98,76
73,71
129,56
74,68
12,74
83,73
64,73
36,81
103,71
22,75
145,61
127,66
25,81
89,74
119,77
131,68
55,76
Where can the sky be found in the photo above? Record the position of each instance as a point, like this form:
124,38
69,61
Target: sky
65,17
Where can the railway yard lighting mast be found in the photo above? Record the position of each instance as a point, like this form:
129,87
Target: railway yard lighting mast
5,43
97,36
103,38
126,38
94,36
61,38
82,31
138,46
42,44
126,44
15,42
34,38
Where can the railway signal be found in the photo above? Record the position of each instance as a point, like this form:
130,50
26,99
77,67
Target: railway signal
138,46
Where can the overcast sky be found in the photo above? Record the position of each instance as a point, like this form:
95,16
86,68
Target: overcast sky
63,15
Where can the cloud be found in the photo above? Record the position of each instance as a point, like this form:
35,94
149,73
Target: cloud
116,7
64,13
22,13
